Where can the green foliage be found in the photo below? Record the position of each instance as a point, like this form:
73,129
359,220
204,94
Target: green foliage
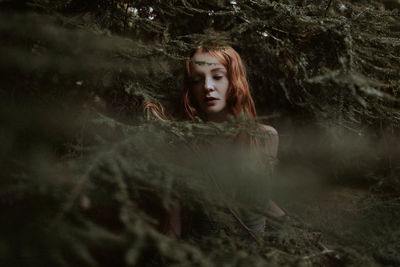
83,172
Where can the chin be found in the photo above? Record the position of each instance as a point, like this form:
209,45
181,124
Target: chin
212,111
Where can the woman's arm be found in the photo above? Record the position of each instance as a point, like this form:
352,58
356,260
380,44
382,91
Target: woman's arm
269,146
270,140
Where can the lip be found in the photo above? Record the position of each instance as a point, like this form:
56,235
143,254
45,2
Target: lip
209,100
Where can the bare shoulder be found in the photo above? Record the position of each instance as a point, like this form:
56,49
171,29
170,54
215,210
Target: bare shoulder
270,140
268,129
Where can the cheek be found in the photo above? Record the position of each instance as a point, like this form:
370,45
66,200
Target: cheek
225,90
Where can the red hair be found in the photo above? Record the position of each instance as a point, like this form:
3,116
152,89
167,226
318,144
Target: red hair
239,99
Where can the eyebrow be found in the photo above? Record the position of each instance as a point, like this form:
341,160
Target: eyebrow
219,68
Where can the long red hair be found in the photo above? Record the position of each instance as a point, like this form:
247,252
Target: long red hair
239,99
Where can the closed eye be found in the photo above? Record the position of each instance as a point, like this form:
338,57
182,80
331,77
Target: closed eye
219,77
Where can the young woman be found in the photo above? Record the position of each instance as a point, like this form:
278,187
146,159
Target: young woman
216,87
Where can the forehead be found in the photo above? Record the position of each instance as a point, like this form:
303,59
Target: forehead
203,61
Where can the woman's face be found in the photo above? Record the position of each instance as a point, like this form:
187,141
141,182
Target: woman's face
210,86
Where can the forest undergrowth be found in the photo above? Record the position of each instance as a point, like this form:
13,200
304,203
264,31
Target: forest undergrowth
86,170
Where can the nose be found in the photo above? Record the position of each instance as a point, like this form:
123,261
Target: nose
209,84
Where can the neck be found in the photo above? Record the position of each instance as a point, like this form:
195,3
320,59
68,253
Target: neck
218,117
